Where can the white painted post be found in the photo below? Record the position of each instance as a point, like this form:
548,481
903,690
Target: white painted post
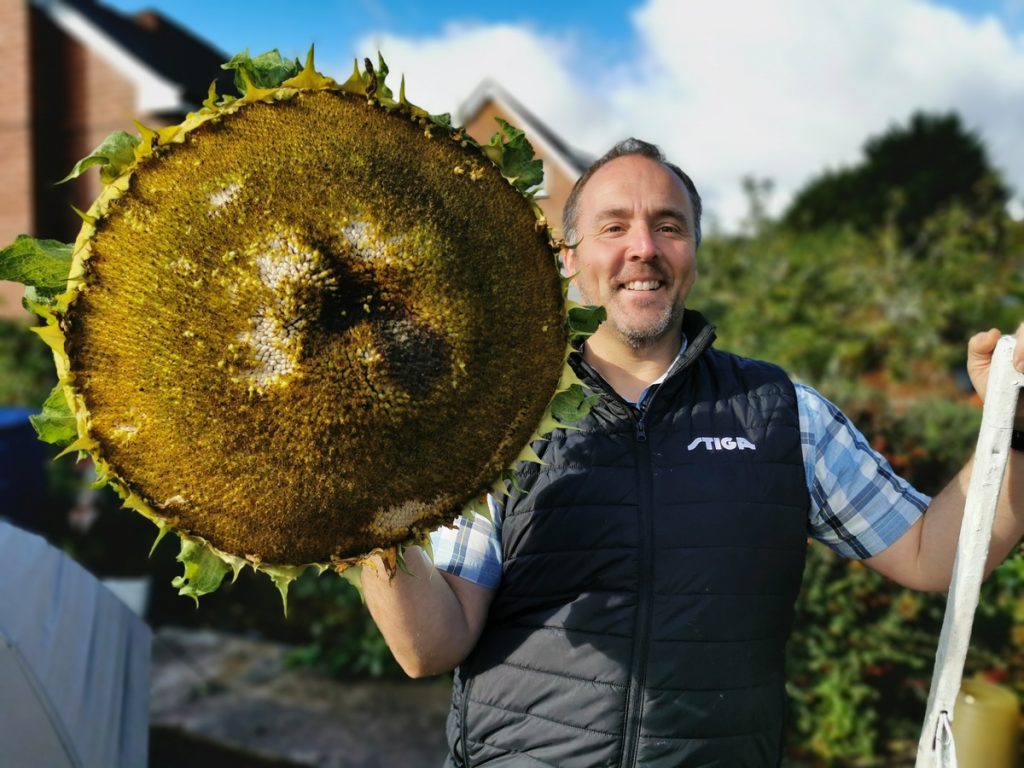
936,749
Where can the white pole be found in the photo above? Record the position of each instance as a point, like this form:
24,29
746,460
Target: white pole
936,748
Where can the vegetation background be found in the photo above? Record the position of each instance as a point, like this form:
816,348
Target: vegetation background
867,288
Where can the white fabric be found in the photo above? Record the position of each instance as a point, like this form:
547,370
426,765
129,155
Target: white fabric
936,748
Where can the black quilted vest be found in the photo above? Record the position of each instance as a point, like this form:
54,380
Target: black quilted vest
650,570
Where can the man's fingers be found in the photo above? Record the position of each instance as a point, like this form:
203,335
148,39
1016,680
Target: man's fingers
981,345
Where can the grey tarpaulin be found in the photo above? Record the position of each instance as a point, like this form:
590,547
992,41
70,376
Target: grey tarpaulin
74,663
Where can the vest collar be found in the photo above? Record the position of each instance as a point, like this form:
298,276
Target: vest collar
698,335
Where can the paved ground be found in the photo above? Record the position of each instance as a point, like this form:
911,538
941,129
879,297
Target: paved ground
226,701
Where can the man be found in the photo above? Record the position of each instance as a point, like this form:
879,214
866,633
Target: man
632,602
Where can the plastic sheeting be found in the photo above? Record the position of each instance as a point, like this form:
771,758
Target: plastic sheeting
74,663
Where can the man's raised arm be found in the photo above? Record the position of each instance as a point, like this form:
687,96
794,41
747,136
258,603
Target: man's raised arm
430,619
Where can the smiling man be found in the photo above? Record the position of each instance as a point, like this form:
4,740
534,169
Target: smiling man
637,258
631,602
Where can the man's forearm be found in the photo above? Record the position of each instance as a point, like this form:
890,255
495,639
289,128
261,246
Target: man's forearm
923,557
429,619
944,517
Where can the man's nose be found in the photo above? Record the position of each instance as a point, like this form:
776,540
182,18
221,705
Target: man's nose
641,243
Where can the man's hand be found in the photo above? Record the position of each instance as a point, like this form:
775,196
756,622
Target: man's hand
979,361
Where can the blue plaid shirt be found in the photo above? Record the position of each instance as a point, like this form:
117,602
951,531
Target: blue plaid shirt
859,506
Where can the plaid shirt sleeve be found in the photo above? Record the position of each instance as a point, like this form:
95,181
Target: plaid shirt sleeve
472,548
859,506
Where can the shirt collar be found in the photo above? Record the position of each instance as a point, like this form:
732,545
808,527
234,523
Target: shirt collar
650,388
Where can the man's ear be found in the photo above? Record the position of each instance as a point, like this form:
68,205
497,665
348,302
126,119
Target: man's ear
570,264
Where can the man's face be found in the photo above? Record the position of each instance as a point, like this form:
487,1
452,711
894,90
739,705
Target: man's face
637,252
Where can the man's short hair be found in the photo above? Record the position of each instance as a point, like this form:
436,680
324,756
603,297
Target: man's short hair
630,146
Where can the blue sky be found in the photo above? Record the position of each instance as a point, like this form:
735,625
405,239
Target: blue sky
337,26
729,88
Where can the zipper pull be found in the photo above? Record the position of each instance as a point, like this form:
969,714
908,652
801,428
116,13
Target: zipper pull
641,408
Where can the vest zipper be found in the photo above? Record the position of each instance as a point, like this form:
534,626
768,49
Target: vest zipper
641,424
645,595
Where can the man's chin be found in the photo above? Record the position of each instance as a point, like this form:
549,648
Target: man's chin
641,336
640,332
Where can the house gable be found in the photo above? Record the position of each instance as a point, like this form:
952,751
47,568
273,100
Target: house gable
562,164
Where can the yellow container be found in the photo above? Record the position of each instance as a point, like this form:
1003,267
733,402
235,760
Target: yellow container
986,725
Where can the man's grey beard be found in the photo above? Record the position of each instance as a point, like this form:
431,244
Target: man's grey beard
639,338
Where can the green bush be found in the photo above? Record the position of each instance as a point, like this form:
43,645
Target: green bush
26,366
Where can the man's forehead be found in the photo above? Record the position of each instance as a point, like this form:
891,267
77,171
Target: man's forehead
618,185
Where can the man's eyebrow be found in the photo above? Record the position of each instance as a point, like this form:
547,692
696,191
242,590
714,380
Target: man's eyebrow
672,213
613,213
625,213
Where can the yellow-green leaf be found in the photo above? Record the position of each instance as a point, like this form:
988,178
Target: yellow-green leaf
56,424
114,155
42,264
268,70
204,571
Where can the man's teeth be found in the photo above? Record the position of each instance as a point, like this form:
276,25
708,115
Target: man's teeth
642,285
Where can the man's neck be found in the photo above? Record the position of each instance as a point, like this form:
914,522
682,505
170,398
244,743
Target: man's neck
630,370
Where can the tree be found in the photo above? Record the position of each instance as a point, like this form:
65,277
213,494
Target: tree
909,173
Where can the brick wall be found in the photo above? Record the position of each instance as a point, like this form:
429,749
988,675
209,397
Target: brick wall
63,101
16,210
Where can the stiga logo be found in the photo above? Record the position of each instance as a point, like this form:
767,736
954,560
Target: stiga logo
722,444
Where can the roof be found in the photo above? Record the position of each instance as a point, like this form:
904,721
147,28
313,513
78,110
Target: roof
574,161
170,64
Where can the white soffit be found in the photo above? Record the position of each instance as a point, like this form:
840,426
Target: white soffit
154,93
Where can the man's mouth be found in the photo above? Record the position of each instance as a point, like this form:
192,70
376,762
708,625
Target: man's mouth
642,285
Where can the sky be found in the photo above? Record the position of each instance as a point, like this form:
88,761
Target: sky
776,89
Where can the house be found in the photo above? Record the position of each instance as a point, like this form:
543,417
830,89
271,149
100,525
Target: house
562,164
77,71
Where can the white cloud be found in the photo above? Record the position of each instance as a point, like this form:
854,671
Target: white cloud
534,66
779,90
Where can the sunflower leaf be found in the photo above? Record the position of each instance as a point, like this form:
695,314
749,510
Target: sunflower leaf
56,423
513,153
204,571
584,321
572,404
268,70
41,264
113,155
383,91
443,120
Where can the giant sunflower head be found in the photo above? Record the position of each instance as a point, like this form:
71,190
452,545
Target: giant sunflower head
305,325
